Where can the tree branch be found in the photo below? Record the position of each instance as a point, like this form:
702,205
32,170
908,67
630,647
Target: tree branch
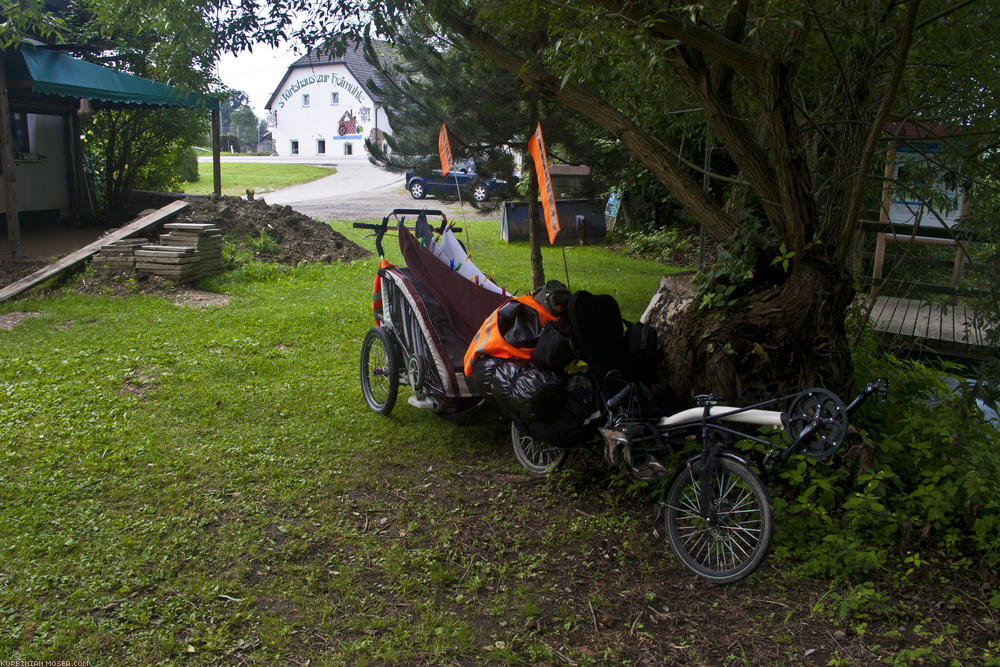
848,223
654,153
663,25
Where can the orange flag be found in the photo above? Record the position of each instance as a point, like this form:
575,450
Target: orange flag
537,149
444,150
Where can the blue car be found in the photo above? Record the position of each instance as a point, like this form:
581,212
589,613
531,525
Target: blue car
470,183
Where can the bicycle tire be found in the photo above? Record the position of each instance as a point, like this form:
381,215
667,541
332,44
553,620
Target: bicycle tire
536,456
734,543
379,370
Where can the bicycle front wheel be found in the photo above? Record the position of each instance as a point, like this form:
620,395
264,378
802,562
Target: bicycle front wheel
732,541
379,370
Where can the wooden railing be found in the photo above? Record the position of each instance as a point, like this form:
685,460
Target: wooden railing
904,234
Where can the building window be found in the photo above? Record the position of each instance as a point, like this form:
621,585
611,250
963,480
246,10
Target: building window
305,99
295,147
334,99
19,132
320,146
348,150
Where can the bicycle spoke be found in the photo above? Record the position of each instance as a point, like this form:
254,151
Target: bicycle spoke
729,543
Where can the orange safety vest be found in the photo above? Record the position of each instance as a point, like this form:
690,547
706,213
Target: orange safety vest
489,340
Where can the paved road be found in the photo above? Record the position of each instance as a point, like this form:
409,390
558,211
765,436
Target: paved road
358,190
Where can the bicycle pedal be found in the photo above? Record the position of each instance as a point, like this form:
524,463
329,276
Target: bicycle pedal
649,470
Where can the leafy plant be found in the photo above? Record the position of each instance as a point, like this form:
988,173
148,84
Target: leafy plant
661,244
918,478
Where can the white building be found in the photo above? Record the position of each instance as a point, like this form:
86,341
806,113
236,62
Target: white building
323,107
913,156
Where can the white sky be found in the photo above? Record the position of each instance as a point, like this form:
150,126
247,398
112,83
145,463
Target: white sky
257,73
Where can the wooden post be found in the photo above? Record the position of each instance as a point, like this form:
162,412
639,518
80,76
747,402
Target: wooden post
887,183
883,216
7,163
878,262
216,153
956,275
84,203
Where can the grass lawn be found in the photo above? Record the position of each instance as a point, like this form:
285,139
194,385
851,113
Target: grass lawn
238,176
204,484
183,486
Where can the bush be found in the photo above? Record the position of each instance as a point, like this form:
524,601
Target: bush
660,245
921,480
186,165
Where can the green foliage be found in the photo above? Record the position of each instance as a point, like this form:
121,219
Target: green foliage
921,480
172,42
138,149
660,244
264,244
24,19
488,111
243,126
186,164
230,102
724,283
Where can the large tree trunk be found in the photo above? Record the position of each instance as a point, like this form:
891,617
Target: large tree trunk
781,339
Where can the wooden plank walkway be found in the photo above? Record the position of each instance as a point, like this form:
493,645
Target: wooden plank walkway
69,261
943,328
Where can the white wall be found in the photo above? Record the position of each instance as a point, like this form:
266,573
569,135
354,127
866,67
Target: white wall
906,209
338,124
41,176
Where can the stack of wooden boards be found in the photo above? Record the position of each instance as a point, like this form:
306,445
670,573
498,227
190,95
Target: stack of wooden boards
186,252
119,255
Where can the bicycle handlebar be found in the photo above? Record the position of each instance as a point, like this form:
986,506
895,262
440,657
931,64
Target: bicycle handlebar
880,388
381,228
620,396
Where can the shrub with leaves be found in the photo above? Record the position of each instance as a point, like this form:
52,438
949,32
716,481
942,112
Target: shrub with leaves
659,244
922,478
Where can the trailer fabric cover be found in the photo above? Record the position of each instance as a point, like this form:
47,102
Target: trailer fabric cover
465,304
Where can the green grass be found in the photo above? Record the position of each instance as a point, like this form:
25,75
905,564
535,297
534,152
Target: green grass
205,484
238,176
183,486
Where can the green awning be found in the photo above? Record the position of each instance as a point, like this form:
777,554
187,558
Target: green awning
52,73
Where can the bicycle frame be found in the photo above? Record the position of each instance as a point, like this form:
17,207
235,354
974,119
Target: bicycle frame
713,423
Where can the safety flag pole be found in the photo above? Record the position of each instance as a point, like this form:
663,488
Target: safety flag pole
536,147
444,152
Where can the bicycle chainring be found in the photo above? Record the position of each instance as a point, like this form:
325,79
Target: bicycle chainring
826,413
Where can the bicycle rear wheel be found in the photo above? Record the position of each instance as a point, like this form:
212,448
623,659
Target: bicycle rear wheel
536,456
733,541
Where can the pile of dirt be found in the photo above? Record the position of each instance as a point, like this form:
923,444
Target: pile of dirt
269,233
273,233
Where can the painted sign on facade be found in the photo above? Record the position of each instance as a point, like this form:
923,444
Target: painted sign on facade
332,80
348,125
